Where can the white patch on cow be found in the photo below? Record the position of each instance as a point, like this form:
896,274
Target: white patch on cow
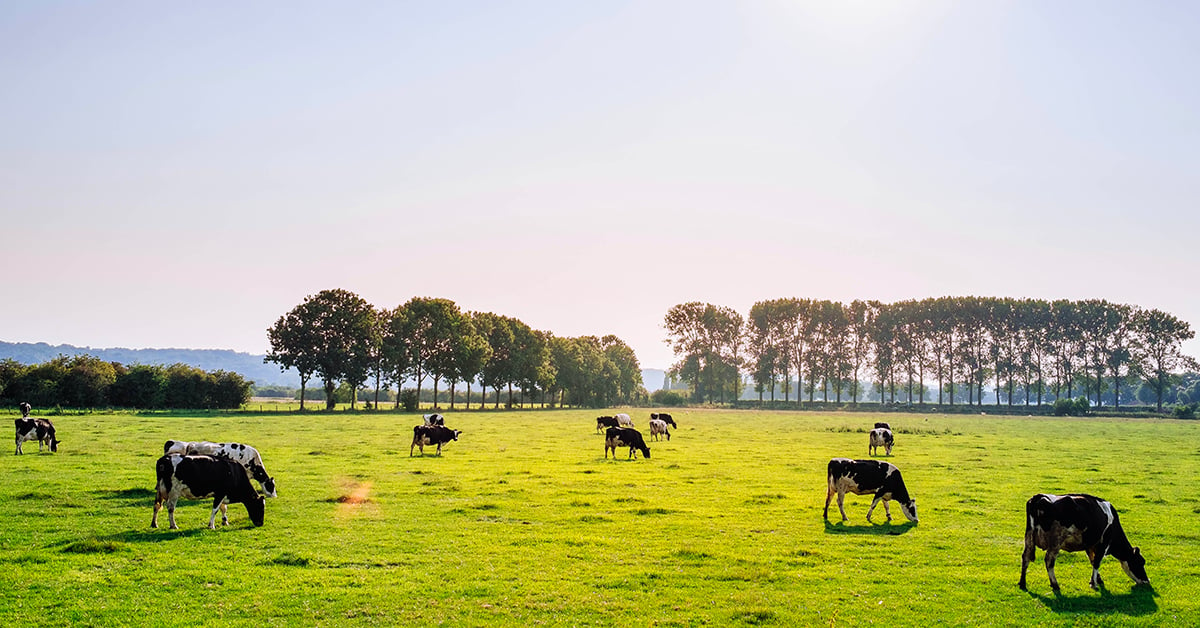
623,420
891,468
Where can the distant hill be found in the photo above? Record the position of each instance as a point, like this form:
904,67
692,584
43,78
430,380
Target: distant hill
654,379
247,365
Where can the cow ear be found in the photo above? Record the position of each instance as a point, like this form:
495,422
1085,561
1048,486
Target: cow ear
1137,550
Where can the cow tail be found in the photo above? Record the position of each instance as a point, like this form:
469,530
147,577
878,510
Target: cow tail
163,470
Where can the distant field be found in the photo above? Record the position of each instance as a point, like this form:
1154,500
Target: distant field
523,521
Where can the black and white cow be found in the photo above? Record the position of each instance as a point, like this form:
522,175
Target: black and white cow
624,437
25,409
658,428
1075,523
198,477
41,430
880,437
623,420
883,425
605,421
664,417
432,435
863,477
244,455
434,419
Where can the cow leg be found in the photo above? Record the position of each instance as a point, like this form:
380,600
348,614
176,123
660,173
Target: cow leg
439,451
828,496
842,507
887,510
1051,555
212,519
1095,557
19,452
874,503
224,513
668,437
171,514
158,501
1027,557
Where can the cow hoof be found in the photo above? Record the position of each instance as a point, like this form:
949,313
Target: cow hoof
1021,586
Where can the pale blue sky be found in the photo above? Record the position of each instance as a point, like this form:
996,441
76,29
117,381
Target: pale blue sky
181,174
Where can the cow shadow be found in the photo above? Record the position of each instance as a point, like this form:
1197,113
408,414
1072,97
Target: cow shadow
1139,601
872,529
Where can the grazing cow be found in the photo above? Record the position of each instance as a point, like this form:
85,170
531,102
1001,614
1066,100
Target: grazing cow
1078,522
197,477
623,420
658,427
41,430
664,417
434,419
883,425
244,455
432,435
25,409
862,477
624,437
880,436
605,421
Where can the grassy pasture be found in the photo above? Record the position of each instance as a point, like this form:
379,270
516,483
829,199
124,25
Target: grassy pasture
523,521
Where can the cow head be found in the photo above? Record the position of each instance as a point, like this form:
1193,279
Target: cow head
456,433
54,443
269,487
1135,567
909,509
256,508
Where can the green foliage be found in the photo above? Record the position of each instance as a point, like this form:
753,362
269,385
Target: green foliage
1185,411
666,398
409,400
1072,407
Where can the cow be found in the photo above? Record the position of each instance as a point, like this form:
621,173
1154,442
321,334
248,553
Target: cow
432,435
880,436
41,430
623,420
25,409
658,428
664,417
198,477
434,419
862,477
883,425
1073,523
244,455
605,421
624,437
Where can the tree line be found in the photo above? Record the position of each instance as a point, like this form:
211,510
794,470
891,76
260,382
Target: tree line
85,381
338,338
1026,350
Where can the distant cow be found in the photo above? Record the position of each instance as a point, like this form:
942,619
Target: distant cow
198,477
605,421
623,420
863,477
883,425
1078,522
664,417
880,437
244,455
41,430
25,409
624,437
434,419
658,428
432,435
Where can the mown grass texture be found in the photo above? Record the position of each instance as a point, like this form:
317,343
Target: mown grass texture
523,521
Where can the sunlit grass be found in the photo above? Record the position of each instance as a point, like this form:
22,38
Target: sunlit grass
524,521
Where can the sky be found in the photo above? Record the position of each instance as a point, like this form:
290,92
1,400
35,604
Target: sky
180,175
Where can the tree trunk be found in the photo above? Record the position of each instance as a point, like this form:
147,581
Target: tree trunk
452,386
329,400
303,386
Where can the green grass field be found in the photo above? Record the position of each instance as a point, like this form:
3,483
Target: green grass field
523,521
